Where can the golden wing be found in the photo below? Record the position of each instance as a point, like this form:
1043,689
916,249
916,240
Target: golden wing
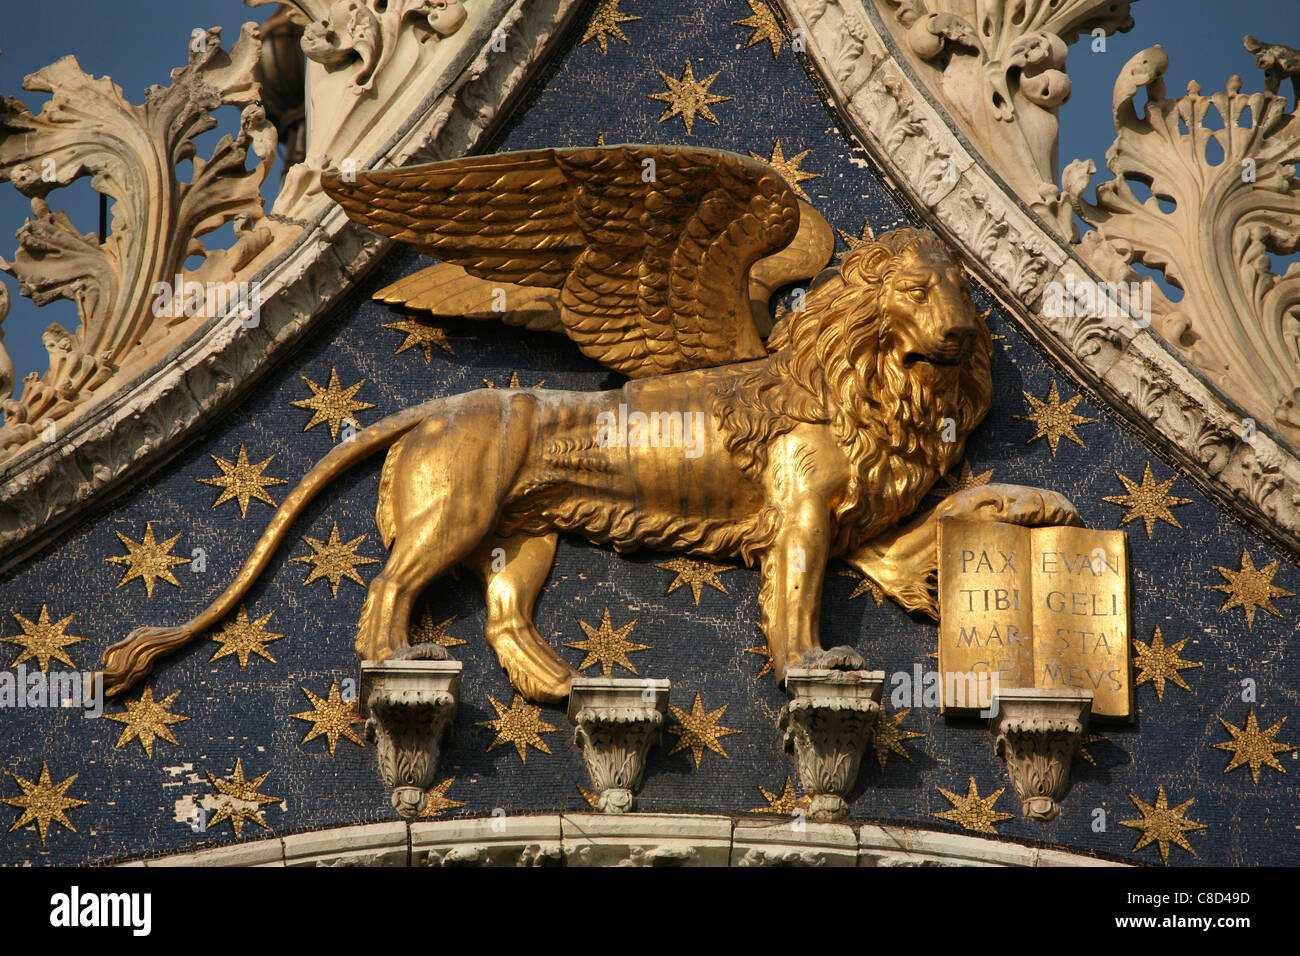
645,256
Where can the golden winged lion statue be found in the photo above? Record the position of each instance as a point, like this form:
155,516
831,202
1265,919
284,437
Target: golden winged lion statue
659,262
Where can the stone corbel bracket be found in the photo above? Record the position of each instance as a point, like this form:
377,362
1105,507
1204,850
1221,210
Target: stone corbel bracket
485,66
1038,732
615,723
1171,406
827,725
409,706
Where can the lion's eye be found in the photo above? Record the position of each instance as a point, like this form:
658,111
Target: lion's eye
918,295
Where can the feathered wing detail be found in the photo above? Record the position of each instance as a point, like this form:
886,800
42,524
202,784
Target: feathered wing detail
648,248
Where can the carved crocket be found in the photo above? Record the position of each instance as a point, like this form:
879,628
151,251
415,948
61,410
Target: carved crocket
658,262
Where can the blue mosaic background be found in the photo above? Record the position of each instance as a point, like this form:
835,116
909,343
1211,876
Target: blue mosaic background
132,799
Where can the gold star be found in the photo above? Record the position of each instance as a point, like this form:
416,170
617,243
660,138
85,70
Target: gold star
890,736
789,168
513,383
335,560
331,717
1149,501
1248,588
520,724
1083,746
1161,825
762,651
763,22
147,718
1055,419
784,803
1253,747
853,242
44,802
696,574
425,336
1158,663
607,646
242,637
246,799
148,560
242,481
864,585
699,731
686,97
437,799
966,480
332,403
972,811
43,640
426,632
604,21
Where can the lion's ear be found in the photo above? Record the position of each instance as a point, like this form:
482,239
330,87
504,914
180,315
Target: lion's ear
865,263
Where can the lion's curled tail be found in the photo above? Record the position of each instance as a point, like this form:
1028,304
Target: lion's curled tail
131,659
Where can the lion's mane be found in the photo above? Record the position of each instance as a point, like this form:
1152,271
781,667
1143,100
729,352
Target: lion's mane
831,364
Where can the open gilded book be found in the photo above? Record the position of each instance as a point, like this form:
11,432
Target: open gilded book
1035,607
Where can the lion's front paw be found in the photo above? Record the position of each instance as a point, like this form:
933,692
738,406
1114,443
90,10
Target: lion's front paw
1014,504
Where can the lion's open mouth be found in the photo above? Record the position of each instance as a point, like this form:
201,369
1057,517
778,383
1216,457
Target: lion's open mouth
943,361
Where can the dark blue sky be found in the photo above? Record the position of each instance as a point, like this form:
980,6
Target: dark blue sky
138,42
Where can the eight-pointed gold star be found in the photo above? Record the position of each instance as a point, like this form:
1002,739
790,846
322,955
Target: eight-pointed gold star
242,481
1158,663
1249,588
1088,739
147,560
972,811
146,719
44,802
437,799
687,97
764,652
1149,501
246,799
1252,747
1054,419
789,168
520,724
606,646
864,585
854,242
331,717
333,403
604,23
967,479
699,731
425,336
242,637
763,22
696,574
335,560
890,736
43,639
426,632
784,803
1162,825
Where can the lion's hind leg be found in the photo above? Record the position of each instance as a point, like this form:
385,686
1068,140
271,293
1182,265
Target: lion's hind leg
513,570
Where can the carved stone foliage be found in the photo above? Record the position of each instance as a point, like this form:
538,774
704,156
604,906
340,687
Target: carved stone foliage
131,152
615,724
827,725
999,66
409,706
369,59
1037,733
1222,197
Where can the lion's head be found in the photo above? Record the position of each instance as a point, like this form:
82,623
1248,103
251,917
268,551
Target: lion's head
891,353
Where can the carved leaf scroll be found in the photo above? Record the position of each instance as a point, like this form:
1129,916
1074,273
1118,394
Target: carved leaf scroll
131,153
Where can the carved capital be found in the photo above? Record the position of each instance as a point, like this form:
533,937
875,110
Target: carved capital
827,725
409,706
616,722
1037,732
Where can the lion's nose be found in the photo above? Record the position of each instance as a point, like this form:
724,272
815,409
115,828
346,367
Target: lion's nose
960,340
